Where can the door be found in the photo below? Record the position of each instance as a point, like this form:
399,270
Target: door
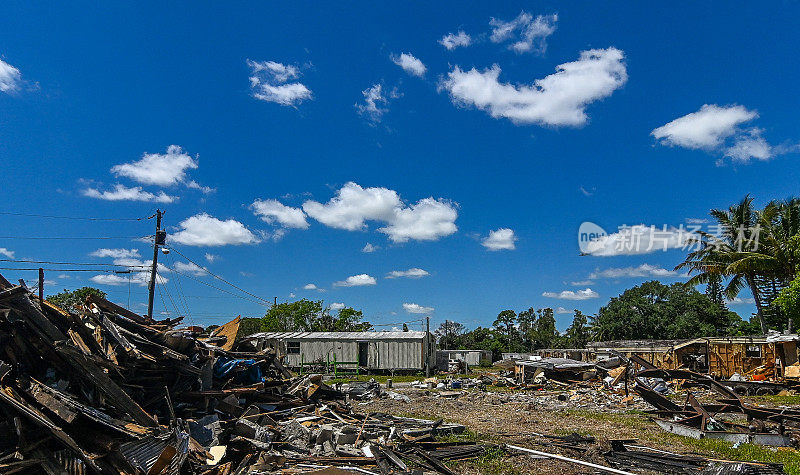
363,353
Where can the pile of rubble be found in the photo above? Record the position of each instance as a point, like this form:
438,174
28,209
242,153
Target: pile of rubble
105,390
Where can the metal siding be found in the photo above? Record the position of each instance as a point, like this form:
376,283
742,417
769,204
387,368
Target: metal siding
385,354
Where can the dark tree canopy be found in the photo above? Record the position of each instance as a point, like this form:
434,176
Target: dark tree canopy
654,310
72,299
311,315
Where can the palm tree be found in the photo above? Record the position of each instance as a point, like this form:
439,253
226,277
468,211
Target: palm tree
759,249
717,253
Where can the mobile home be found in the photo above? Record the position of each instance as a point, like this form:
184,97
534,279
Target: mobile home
376,351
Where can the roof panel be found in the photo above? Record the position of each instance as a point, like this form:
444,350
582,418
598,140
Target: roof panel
384,335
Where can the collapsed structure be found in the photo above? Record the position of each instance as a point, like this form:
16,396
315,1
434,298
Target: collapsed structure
106,390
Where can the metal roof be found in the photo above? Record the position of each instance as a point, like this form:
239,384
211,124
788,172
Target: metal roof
390,335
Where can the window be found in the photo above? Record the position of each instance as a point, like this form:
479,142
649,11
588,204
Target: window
292,347
753,351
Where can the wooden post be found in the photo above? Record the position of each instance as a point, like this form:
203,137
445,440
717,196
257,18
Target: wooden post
41,285
154,269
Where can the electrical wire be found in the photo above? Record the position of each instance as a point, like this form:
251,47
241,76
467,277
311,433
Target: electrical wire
221,279
222,290
82,218
74,237
65,270
30,261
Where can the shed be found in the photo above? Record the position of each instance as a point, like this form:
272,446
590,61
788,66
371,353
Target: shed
387,350
470,357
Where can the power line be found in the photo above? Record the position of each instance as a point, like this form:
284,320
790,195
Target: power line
269,304
221,279
74,237
30,261
82,218
65,270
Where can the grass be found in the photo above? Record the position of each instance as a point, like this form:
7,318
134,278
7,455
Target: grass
381,378
775,399
493,462
789,457
633,419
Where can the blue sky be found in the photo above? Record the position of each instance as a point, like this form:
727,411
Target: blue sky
355,124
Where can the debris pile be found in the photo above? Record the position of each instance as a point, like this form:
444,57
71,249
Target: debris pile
105,390
730,419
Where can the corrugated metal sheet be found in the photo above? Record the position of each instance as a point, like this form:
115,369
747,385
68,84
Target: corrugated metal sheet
354,336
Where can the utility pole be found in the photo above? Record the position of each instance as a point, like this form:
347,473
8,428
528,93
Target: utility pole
160,239
428,347
41,286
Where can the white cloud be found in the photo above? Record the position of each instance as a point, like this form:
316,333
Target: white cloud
410,64
161,169
368,248
124,193
197,186
638,239
452,41
10,78
139,269
588,192
585,294
353,205
356,281
190,268
428,219
211,257
374,105
559,99
416,308
336,306
310,287
562,310
706,128
581,283
500,239
273,211
750,144
413,273
269,81
205,230
527,34
718,129
5,252
741,301
644,270
116,253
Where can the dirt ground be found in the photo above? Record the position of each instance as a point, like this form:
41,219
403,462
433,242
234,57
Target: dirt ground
516,417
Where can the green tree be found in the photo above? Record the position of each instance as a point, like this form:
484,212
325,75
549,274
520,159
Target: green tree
716,254
448,334
299,315
526,321
248,326
759,249
653,310
714,290
788,300
577,335
74,299
312,315
505,322
545,334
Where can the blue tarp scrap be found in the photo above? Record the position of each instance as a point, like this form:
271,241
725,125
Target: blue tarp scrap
226,367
